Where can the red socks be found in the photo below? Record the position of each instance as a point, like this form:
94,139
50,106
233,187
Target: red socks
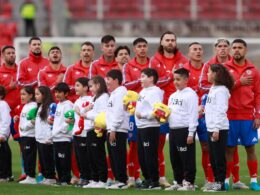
207,166
253,168
235,170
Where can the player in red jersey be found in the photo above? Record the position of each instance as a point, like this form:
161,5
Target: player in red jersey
122,56
131,79
222,50
80,68
194,66
52,74
165,61
30,66
244,110
107,60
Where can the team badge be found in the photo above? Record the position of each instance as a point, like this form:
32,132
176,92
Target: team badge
248,72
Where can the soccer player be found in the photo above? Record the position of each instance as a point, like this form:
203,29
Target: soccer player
131,75
106,61
80,68
52,74
244,109
166,59
194,66
122,56
29,67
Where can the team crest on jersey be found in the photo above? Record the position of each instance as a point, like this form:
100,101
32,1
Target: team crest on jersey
5,75
29,69
194,78
231,71
135,69
158,65
49,75
77,72
103,69
180,65
249,72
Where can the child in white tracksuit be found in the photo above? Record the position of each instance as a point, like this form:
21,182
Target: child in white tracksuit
27,134
61,136
217,122
117,121
148,129
79,136
43,134
5,152
183,122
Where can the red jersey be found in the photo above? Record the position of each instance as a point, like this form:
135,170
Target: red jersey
101,67
132,74
29,68
13,95
194,76
203,81
244,103
164,67
48,76
74,72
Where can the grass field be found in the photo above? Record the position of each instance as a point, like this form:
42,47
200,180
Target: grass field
15,188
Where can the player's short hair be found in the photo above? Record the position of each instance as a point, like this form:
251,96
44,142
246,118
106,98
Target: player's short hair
193,43
220,40
54,48
121,47
33,39
139,40
183,72
2,91
240,41
115,74
62,87
151,72
7,47
88,44
107,39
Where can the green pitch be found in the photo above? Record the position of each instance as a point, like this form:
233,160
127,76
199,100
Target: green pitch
15,188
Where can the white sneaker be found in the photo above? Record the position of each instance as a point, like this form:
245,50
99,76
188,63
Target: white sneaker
48,182
164,183
100,184
28,180
239,185
131,182
118,185
74,180
186,186
91,184
175,186
208,185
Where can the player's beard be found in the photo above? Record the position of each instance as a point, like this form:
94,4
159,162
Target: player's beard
10,62
169,49
238,57
55,61
37,53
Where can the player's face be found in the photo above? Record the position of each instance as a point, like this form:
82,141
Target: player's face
141,50
222,49
60,96
9,56
211,76
195,52
38,96
36,47
146,81
25,97
87,53
55,56
169,43
238,51
123,56
108,49
180,82
93,87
